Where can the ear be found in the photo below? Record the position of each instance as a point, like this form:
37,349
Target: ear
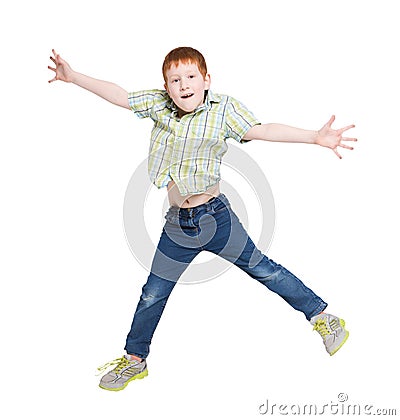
166,88
207,81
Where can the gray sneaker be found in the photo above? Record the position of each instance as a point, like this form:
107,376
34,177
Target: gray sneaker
126,370
332,331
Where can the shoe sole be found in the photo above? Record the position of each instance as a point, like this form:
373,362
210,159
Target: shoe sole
140,375
342,323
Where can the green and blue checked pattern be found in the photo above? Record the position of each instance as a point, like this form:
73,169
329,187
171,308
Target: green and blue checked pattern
189,149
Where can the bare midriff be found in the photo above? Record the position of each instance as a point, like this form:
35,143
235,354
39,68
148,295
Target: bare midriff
190,200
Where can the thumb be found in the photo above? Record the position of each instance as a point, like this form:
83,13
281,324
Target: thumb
330,122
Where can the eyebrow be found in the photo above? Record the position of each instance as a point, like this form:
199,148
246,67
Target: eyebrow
186,71
174,76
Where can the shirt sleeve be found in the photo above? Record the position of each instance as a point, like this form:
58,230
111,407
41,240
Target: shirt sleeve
142,102
238,120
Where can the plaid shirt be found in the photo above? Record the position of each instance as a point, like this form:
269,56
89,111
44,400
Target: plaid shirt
189,149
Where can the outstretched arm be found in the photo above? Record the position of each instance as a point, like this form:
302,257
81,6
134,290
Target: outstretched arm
326,136
106,90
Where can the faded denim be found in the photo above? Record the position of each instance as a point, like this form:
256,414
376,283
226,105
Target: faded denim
213,227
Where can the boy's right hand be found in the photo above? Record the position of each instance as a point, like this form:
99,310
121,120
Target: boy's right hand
62,70
106,90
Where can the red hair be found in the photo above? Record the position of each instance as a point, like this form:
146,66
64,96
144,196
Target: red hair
184,55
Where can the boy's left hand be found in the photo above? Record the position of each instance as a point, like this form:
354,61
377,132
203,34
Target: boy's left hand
328,137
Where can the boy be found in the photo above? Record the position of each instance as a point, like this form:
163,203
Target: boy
191,125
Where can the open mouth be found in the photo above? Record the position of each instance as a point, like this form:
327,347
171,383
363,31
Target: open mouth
188,95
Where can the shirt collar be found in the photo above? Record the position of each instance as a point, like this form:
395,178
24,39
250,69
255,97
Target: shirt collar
212,97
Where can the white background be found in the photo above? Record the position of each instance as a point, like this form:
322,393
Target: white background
69,284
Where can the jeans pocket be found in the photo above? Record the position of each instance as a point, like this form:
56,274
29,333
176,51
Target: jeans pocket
172,216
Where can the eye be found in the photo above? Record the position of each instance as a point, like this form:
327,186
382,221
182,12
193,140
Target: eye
175,81
192,76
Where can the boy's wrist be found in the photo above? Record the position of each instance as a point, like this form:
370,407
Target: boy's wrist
314,137
74,77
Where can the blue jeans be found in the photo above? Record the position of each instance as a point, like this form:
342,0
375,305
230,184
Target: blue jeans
213,227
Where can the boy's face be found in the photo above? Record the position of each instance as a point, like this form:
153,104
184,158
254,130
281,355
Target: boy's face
186,85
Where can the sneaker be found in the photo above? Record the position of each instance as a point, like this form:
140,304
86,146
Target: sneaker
126,370
332,331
